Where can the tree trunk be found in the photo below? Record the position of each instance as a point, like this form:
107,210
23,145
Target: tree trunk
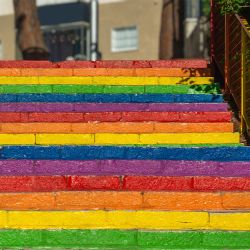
29,35
171,36
167,31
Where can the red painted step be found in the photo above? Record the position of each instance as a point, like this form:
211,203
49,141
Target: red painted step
117,116
131,183
174,63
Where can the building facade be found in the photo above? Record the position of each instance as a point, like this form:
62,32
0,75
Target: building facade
7,31
128,29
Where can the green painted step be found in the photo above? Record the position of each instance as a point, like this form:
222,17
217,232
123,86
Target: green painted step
124,239
100,89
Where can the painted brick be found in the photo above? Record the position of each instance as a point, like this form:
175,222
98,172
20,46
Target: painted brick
192,127
112,127
51,183
35,127
64,139
26,64
116,139
236,200
60,167
18,80
75,64
127,220
46,72
144,183
56,117
114,64
98,200
175,72
17,168
28,201
123,89
17,139
173,220
78,89
111,98
21,238
179,63
220,183
182,201
150,116
10,117
125,80
191,138
92,153
124,239
10,72
142,64
98,238
223,154
16,89
30,152
90,72
95,183
16,184
185,80
102,117
230,221
63,80
180,239
216,239
205,116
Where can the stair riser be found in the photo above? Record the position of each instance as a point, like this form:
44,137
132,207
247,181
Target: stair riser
125,239
174,63
115,127
105,80
124,220
118,139
157,72
102,89
111,107
127,183
112,200
115,98
125,167
176,117
223,154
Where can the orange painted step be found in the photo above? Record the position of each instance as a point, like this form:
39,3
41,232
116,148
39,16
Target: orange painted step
115,127
160,72
111,200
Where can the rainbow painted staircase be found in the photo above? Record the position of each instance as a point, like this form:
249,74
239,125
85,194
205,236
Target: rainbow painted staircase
120,155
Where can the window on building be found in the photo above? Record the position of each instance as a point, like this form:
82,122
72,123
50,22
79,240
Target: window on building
124,39
193,8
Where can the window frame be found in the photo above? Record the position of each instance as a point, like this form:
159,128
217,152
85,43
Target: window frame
127,49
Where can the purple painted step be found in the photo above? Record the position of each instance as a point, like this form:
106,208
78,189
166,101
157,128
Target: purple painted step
125,167
112,107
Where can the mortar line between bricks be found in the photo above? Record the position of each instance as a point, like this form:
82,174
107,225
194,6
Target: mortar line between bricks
34,166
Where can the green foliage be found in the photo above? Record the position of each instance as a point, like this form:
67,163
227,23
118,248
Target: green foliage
205,7
231,6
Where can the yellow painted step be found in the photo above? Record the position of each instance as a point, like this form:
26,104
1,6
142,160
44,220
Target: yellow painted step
109,80
120,139
165,220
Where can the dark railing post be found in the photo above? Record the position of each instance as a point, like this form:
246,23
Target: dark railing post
227,58
212,31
